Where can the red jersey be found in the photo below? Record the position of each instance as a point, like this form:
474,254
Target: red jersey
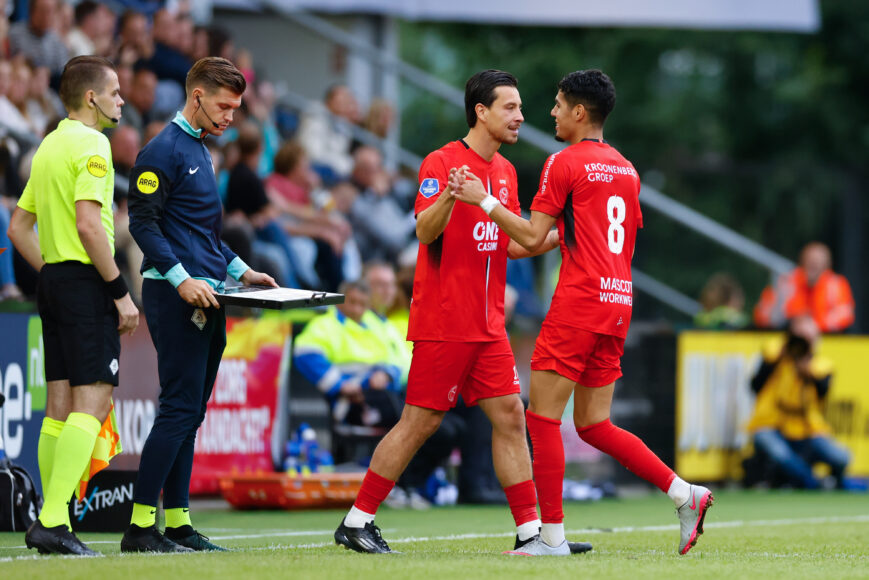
458,288
594,193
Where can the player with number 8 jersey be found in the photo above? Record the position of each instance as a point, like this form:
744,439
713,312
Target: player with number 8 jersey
593,192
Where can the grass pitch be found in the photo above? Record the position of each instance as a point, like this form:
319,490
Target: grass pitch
747,535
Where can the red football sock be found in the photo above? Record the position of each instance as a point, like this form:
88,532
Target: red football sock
523,502
548,465
628,450
372,493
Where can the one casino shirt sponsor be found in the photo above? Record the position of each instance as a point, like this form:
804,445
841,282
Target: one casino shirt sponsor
458,291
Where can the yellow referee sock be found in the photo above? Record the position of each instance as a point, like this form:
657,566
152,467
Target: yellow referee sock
72,453
48,435
144,516
177,517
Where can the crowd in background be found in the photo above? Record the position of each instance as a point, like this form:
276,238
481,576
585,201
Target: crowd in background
304,201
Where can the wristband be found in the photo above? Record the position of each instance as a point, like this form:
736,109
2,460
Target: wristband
117,288
488,204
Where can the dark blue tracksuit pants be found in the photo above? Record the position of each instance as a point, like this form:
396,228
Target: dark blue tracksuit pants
187,362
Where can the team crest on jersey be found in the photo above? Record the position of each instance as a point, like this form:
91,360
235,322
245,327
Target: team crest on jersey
429,187
148,182
452,394
503,195
97,166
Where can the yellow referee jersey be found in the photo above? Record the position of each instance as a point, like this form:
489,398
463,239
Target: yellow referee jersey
73,163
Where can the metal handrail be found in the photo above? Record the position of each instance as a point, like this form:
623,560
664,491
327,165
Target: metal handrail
650,197
540,139
642,281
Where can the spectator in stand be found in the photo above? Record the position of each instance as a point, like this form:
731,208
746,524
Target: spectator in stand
261,106
185,35
381,226
10,117
380,118
289,190
135,41
324,132
4,30
37,38
811,289
93,31
399,314
43,105
19,94
140,98
246,194
380,277
350,362
723,303
220,43
200,43
788,424
167,61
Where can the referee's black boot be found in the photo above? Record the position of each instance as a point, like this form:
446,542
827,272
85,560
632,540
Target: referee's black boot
190,538
56,540
149,539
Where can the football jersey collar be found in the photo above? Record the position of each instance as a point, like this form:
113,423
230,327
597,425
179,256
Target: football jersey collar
480,157
186,126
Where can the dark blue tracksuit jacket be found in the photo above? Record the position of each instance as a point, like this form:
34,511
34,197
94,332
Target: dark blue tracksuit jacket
176,218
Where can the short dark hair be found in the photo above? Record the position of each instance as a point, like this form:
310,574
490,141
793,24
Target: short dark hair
331,90
249,139
288,157
214,73
83,10
591,88
480,88
360,285
81,74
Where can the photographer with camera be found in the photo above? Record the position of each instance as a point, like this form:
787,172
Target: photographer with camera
788,424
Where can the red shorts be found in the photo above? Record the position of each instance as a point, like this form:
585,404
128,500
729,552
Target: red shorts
441,371
587,358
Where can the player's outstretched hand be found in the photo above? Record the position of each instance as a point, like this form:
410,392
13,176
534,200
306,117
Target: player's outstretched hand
254,278
128,314
470,189
197,293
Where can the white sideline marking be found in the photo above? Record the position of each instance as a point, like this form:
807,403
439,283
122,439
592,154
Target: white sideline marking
411,539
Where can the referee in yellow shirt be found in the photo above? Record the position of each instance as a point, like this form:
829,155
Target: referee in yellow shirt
83,301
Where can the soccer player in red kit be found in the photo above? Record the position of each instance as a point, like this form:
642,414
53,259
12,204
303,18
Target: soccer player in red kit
457,317
591,193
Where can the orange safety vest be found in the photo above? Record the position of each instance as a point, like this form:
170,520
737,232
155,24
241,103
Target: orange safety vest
829,302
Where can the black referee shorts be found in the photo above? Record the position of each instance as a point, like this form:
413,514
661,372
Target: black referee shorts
79,325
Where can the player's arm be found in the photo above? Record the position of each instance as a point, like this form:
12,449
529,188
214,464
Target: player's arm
530,234
24,237
516,251
89,224
432,221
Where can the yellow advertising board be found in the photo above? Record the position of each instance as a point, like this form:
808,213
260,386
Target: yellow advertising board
714,400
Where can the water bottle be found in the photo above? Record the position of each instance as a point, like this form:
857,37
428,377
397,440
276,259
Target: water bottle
326,462
291,460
